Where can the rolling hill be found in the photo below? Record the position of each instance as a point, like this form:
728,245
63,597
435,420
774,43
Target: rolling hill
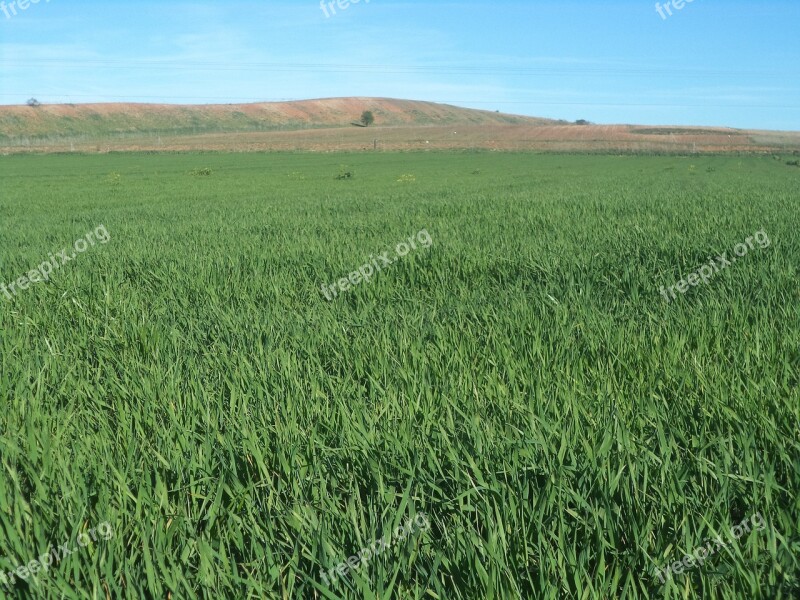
326,125
114,119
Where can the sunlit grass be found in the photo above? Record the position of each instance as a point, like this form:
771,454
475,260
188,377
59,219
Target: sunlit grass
522,382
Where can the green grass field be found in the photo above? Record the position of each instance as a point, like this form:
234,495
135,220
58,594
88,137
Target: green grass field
521,383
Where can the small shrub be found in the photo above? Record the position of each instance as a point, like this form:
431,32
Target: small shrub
345,173
367,118
205,172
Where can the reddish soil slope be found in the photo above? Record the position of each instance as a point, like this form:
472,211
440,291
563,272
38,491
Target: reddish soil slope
326,125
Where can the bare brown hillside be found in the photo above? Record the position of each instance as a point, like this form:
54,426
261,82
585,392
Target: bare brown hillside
100,120
326,125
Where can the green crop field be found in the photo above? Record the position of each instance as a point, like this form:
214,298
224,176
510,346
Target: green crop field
511,408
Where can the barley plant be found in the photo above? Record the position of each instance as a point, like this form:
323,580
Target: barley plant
521,382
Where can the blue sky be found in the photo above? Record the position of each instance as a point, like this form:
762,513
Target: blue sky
729,63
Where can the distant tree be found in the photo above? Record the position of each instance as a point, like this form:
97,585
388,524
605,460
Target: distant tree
367,118
582,122
33,102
